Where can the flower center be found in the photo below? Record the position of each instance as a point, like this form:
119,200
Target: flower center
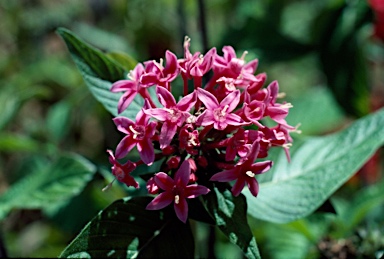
177,199
250,174
174,114
220,114
138,132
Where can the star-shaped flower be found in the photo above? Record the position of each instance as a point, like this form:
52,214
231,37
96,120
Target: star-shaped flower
244,172
173,114
219,114
177,191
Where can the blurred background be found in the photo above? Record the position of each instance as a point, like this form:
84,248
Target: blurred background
328,57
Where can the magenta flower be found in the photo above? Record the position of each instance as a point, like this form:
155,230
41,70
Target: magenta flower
176,190
240,143
219,114
138,134
275,111
173,114
131,86
244,172
156,74
196,65
122,172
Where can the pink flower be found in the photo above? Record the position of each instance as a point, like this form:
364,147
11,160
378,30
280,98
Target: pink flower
156,74
176,190
219,114
138,134
244,172
122,172
189,139
132,87
196,65
240,143
173,114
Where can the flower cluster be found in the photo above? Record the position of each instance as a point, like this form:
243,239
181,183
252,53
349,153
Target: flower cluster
214,133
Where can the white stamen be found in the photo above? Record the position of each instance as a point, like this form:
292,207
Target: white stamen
177,199
135,133
281,95
244,54
250,174
224,110
286,105
191,119
287,145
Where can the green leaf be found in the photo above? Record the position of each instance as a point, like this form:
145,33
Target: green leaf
319,166
125,229
47,186
99,72
123,59
355,209
10,142
230,214
58,118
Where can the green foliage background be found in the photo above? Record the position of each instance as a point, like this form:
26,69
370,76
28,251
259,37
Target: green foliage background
321,52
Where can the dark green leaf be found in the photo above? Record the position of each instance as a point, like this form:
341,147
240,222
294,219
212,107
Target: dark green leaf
47,186
341,54
123,59
99,72
126,229
230,214
318,168
98,63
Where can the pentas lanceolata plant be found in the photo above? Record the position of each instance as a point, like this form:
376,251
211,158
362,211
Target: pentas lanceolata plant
212,134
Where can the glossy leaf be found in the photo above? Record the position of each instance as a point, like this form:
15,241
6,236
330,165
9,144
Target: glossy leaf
319,166
48,185
99,72
125,229
230,214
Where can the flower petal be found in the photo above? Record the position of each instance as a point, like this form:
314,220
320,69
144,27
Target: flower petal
146,151
168,131
238,186
261,167
164,181
161,201
253,186
165,97
194,190
122,124
187,102
181,209
207,98
225,176
124,146
206,118
123,85
233,119
182,174
158,113
232,100
125,100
